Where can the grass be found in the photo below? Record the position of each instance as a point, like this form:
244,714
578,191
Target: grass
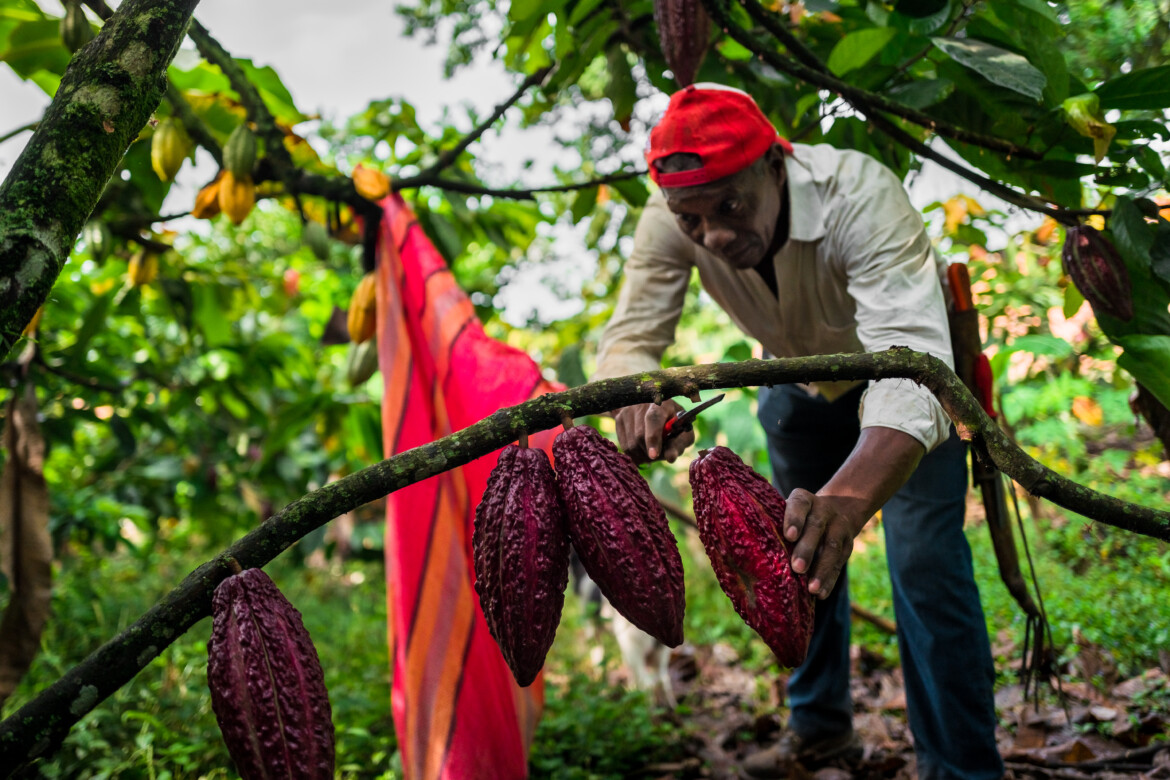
160,726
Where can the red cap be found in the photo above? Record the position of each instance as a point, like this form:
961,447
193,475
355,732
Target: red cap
722,125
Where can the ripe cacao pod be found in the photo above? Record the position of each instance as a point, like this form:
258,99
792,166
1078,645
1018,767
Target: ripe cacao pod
143,268
267,687
98,238
316,238
207,200
363,310
169,147
1098,271
74,27
740,518
370,183
239,153
236,196
620,532
520,548
362,362
683,32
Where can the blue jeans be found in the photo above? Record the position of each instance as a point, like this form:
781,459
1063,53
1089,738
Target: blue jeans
942,635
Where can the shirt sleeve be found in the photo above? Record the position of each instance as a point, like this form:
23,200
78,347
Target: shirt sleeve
891,273
651,300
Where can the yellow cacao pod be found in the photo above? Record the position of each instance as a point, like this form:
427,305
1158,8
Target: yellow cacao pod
143,268
239,153
370,184
207,201
236,196
168,148
363,309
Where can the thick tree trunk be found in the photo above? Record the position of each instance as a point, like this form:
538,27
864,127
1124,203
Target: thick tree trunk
38,727
107,95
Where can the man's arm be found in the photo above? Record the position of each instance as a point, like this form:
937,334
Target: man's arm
642,327
824,524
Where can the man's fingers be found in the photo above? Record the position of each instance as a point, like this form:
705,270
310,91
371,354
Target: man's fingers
834,552
677,445
806,546
796,510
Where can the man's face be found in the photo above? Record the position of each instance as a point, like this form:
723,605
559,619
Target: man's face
735,217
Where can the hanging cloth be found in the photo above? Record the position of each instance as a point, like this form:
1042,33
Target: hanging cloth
458,712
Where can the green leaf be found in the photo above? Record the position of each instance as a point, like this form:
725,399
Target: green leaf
733,50
921,17
581,10
35,46
272,90
858,48
923,93
1072,301
1148,359
999,66
1133,234
583,204
1043,344
1148,88
633,191
1151,162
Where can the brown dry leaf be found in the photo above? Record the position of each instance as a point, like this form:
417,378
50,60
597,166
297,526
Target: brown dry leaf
1087,410
26,552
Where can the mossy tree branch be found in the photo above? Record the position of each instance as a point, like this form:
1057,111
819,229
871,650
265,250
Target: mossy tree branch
108,93
42,723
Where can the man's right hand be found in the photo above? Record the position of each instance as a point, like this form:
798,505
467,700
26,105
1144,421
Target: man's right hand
639,432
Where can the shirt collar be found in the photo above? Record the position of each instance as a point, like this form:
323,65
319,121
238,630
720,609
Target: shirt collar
806,221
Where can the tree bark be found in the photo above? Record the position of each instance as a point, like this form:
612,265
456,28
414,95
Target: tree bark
38,727
107,95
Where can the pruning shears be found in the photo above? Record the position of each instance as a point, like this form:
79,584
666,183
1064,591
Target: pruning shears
685,420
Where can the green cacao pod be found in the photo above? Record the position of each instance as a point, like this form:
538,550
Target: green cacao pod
74,27
98,238
683,32
169,147
740,518
267,687
316,238
620,532
362,362
239,153
1098,271
520,548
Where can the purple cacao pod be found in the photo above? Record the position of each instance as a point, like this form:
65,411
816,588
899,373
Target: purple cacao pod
521,553
1098,271
620,532
267,686
683,32
740,518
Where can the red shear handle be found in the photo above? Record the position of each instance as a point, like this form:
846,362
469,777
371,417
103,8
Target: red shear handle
983,385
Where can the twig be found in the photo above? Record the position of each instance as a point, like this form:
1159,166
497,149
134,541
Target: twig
19,130
258,112
682,515
78,379
883,624
469,188
896,133
812,70
45,720
452,154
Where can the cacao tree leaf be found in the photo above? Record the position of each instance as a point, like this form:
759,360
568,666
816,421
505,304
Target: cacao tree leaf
1072,301
921,17
1147,358
997,65
633,191
26,552
35,46
272,90
1148,88
858,48
1134,235
922,93
583,204
1151,162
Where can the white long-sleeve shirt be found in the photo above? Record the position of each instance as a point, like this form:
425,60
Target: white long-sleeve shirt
857,274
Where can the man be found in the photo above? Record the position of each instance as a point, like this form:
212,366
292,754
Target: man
815,250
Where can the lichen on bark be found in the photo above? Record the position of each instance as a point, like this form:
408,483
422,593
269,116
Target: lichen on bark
106,96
